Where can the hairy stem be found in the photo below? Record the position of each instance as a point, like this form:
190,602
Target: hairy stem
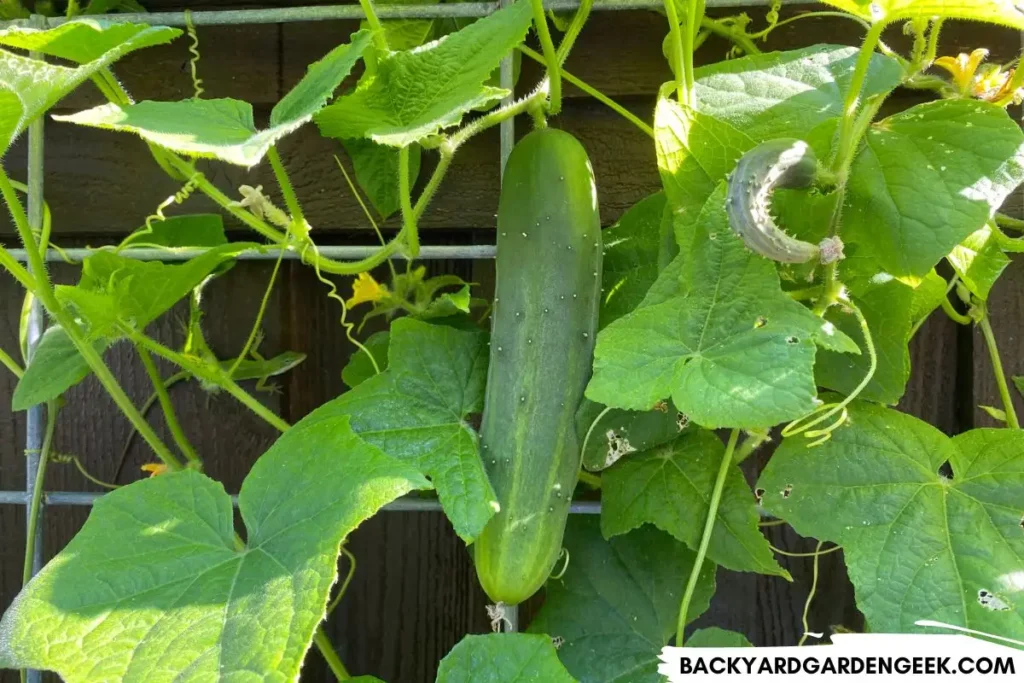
705,539
409,218
37,491
170,416
847,138
695,11
380,40
997,368
676,56
44,290
1009,222
323,643
540,20
595,93
738,38
284,182
573,32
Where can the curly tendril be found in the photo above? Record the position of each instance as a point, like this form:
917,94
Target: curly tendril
193,63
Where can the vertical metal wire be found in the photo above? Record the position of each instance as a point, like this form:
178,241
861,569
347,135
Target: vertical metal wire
34,421
507,133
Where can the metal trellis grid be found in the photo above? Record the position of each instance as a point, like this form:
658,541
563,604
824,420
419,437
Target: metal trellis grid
35,420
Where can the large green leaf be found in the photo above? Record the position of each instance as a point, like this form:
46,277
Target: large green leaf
928,178
503,658
798,93
917,545
1005,12
115,290
83,40
224,128
418,92
418,411
54,367
156,587
617,603
728,346
630,264
670,487
28,87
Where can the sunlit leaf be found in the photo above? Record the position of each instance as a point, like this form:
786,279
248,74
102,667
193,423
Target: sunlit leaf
1005,12
83,40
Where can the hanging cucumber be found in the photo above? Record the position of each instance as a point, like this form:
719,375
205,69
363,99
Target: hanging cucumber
542,344
784,163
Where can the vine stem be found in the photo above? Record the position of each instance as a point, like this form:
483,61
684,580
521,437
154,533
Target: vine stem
37,491
595,93
847,137
409,217
590,479
677,51
692,22
705,539
170,416
573,32
11,364
44,290
814,589
201,370
997,368
291,200
323,643
749,445
540,19
380,40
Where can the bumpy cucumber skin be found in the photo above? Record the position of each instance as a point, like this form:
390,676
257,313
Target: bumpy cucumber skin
776,163
542,344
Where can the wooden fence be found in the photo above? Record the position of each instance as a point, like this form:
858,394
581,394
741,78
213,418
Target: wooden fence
415,592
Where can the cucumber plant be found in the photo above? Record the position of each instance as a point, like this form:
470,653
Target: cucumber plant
771,286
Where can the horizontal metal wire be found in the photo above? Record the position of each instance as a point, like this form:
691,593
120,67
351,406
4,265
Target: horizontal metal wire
282,15
436,253
78,498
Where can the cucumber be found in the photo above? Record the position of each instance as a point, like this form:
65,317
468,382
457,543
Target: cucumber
545,313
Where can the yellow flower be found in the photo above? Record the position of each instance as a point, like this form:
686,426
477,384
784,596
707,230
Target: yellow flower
963,67
155,469
364,289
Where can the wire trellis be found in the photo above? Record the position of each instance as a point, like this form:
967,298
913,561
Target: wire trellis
35,419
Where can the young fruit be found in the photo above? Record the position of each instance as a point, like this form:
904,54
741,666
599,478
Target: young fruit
777,163
542,343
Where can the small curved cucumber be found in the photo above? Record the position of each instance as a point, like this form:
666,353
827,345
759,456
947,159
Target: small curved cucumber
542,344
786,163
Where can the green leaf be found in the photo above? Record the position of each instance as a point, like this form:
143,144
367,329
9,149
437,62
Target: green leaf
1005,12
417,93
979,261
630,263
797,93
617,603
887,307
729,347
418,411
223,128
158,563
115,290
1019,383
83,40
717,637
618,433
359,367
29,87
503,658
917,545
53,368
927,297
928,178
670,487
376,168
997,414
189,231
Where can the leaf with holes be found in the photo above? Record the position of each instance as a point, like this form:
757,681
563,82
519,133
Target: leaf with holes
503,658
728,346
917,545
617,603
630,264
54,367
1005,12
615,433
417,93
158,562
223,128
418,411
928,178
670,487
29,87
